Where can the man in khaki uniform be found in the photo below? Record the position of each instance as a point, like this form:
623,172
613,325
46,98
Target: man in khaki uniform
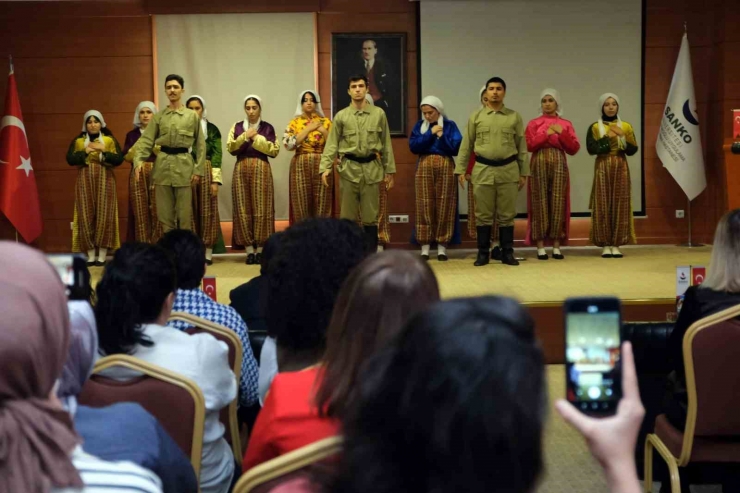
361,137
172,133
496,134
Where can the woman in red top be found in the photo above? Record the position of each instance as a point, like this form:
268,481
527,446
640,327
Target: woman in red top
373,305
549,138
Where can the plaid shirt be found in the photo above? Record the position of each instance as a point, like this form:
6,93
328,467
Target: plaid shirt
196,302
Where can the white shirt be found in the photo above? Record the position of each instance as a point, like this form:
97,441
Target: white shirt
268,367
100,476
205,360
369,64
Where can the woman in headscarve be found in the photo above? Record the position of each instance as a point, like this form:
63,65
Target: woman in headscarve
205,192
95,225
306,134
549,138
143,224
436,140
40,450
472,231
611,140
253,141
123,431
384,230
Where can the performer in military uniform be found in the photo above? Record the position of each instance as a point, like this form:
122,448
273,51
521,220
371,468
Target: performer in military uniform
496,134
360,135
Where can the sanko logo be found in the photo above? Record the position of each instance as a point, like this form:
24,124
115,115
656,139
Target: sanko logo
676,123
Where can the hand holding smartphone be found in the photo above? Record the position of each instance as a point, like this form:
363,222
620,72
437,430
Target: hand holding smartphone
72,270
592,354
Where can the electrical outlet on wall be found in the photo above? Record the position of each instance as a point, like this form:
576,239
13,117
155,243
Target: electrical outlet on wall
679,213
398,218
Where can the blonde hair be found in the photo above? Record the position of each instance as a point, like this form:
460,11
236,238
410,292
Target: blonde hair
724,265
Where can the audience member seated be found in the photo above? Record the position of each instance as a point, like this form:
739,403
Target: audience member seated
314,259
39,449
458,403
135,298
720,290
374,304
188,252
250,301
106,432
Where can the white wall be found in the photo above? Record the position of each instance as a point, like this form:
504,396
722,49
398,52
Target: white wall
223,58
582,49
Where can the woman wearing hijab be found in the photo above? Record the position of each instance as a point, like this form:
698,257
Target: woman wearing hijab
123,431
472,231
253,141
384,230
95,225
40,450
436,140
143,224
549,138
611,140
306,134
205,192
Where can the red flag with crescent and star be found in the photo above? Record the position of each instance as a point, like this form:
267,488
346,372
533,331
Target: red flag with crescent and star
19,197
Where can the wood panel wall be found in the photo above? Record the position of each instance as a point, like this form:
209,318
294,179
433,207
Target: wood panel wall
73,56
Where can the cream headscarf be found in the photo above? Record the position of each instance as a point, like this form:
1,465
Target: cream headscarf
369,99
317,102
435,103
556,96
203,119
480,95
97,115
602,128
246,123
143,104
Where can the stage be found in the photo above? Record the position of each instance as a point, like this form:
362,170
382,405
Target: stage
645,281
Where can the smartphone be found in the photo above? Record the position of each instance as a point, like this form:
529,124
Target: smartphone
593,381
72,270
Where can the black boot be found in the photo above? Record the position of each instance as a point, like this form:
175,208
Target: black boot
484,242
506,235
371,239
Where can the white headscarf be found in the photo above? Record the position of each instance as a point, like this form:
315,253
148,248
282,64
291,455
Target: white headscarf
97,115
602,127
480,95
203,119
435,103
317,102
246,123
369,99
143,104
556,96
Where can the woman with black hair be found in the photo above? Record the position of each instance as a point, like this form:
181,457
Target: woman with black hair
458,403
306,135
253,141
135,298
95,225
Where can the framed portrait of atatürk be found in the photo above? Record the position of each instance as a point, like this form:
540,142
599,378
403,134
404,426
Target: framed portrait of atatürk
381,57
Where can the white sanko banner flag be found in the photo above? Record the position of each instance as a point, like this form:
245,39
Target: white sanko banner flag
679,140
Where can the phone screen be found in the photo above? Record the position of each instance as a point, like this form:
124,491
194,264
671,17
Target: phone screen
593,344
72,270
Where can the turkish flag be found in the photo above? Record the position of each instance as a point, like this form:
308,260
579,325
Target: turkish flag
19,197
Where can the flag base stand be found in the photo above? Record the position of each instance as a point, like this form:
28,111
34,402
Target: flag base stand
689,243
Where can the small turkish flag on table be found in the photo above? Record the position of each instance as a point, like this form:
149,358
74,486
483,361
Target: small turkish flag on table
19,197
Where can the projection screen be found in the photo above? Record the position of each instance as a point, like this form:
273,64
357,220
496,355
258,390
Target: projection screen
225,57
582,49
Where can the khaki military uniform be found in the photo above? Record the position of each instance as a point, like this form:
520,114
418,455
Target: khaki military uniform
495,135
171,175
360,133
